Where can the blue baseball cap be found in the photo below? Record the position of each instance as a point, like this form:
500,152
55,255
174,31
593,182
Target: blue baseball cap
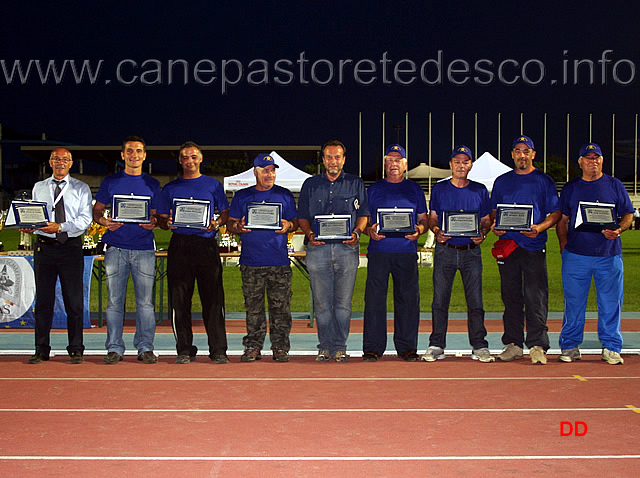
462,149
590,148
523,139
395,148
264,160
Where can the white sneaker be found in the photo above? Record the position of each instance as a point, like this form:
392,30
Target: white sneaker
511,352
570,355
432,354
612,357
537,355
483,355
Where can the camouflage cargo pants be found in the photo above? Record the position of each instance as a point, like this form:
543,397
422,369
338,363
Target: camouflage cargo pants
276,282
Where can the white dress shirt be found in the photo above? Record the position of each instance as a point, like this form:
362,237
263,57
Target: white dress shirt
77,204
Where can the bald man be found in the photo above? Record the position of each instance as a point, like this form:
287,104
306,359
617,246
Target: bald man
58,253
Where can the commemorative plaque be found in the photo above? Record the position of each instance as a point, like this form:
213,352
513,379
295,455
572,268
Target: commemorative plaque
514,217
461,223
29,214
131,208
596,216
333,226
395,222
191,213
263,215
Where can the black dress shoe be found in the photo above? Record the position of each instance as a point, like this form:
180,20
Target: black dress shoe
37,358
76,357
409,356
370,357
220,358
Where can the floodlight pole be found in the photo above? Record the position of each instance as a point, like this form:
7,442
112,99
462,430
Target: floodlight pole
383,142
567,179
360,144
613,144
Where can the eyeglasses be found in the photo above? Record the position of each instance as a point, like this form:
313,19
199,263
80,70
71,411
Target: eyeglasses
61,160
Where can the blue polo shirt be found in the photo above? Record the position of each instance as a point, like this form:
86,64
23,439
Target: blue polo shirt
203,188
263,247
129,236
606,189
447,197
405,194
535,188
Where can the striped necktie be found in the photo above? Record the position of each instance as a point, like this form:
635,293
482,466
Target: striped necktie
59,211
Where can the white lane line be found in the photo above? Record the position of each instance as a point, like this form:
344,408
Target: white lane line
309,410
297,379
323,458
300,353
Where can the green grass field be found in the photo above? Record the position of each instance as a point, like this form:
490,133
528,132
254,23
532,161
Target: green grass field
491,280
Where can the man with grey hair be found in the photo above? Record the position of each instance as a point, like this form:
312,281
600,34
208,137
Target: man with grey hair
58,253
394,254
462,254
264,261
590,252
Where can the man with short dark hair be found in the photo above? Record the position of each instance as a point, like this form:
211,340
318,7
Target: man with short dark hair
264,262
130,251
523,274
333,263
462,254
593,254
194,256
395,256
58,253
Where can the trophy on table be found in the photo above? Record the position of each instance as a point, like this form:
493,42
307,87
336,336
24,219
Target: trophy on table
3,215
89,246
226,242
290,248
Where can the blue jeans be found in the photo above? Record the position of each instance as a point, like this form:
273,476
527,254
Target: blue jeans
608,276
119,263
446,262
332,271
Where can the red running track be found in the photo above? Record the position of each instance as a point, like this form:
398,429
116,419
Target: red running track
390,418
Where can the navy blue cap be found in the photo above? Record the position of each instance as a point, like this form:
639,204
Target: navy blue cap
523,139
264,160
462,149
590,148
395,148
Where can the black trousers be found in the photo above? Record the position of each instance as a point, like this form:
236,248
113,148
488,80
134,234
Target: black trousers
192,258
50,261
525,294
403,268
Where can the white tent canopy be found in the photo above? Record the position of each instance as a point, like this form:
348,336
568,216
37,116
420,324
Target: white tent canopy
422,172
486,169
287,176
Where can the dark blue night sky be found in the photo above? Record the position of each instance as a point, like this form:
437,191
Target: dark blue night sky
478,34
